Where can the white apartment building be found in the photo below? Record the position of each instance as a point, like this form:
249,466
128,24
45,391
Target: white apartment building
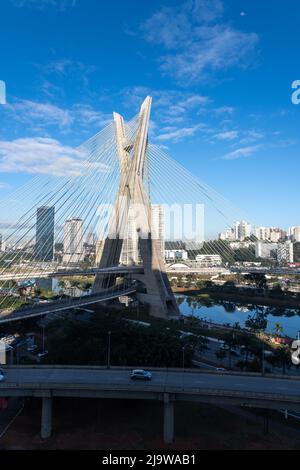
208,261
242,230
73,241
294,234
228,235
265,249
272,234
173,255
285,252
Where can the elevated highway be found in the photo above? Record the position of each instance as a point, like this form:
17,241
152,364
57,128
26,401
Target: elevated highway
44,274
167,386
72,302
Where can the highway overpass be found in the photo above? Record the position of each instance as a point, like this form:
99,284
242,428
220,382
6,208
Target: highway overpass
167,386
44,274
67,304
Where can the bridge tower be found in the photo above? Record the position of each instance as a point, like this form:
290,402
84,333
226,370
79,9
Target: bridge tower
133,204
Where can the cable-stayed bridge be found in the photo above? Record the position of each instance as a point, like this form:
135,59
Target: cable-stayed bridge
114,185
67,304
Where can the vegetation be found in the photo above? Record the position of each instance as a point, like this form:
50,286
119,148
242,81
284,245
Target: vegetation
132,344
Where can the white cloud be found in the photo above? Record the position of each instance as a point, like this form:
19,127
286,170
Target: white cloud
195,42
227,135
43,156
42,116
252,136
241,152
85,115
224,110
32,112
175,134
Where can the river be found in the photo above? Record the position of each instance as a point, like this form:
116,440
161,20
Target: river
225,312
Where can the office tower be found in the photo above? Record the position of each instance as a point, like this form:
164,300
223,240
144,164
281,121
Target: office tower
73,242
44,240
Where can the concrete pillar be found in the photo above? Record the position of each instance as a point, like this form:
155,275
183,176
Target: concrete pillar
46,426
168,419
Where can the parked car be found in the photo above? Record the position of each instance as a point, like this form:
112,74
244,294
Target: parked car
1,375
140,374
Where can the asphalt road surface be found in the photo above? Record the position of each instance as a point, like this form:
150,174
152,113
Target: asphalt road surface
183,380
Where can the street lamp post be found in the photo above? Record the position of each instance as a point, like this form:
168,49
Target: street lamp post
108,349
263,357
183,358
43,338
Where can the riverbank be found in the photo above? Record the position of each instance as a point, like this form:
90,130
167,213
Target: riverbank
240,296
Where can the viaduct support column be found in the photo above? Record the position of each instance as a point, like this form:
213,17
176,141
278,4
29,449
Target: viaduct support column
168,419
46,425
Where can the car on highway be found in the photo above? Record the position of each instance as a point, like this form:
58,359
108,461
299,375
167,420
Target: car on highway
140,374
220,369
1,375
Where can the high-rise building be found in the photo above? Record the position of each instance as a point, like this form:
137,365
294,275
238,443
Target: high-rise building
272,234
228,235
242,230
294,234
158,225
285,252
73,241
262,233
44,240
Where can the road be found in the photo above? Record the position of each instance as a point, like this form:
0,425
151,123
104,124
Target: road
94,378
166,386
59,306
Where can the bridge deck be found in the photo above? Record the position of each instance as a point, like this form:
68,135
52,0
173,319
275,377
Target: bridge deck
269,392
64,305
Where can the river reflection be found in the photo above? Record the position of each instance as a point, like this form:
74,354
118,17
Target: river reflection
226,312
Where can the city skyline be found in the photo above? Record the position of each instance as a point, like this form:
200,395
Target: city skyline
66,94
149,228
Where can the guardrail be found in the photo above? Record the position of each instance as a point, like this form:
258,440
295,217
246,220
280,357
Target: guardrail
154,369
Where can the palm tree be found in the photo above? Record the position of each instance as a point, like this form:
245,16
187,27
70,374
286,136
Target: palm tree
278,329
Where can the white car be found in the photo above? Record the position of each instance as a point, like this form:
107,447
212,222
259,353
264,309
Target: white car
140,374
1,375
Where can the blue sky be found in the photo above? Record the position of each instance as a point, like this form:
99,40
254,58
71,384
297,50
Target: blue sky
219,72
